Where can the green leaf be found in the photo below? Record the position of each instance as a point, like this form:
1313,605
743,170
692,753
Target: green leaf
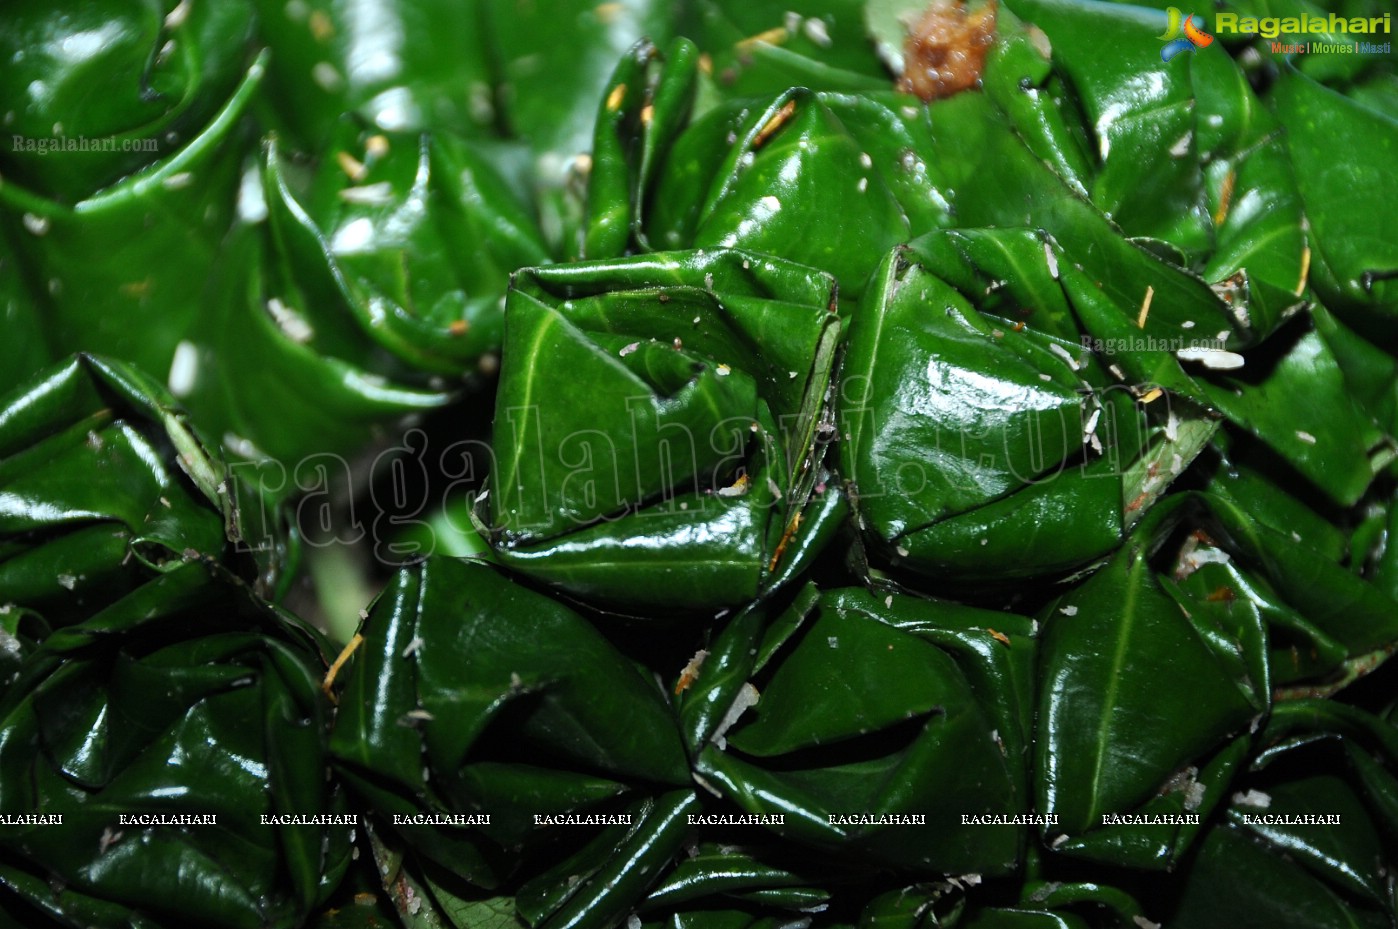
1353,251
67,142
446,666
860,710
698,428
126,257
1236,880
1113,721
106,486
948,462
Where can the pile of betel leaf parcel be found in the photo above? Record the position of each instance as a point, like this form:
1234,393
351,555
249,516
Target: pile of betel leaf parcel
530,463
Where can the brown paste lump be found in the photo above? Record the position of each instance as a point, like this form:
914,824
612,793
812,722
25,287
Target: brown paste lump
944,53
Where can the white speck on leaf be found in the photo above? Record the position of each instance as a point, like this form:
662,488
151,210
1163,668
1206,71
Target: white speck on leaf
1089,430
291,323
184,369
1215,359
1051,259
1253,798
380,194
747,697
325,75
1062,352
176,17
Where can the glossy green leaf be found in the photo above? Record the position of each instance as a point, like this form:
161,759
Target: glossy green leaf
858,716
1167,833
1341,605
1113,722
1140,111
418,235
1353,254
401,66
443,678
606,878
461,697
699,427
1235,879
165,75
306,402
155,713
647,103
106,486
718,870
140,250
759,51
24,349
946,461
1323,432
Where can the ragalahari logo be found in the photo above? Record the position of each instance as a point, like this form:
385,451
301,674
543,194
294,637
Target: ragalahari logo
1182,35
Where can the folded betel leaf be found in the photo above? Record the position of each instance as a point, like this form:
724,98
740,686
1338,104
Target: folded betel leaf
1293,395
104,485
1236,879
980,448
1057,904
163,765
401,66
1138,109
660,426
1266,617
758,51
165,71
1142,693
1316,572
723,875
887,731
409,237
767,175
279,368
1179,144
606,879
469,694
1354,263
646,105
550,98
126,131
1308,828
1333,623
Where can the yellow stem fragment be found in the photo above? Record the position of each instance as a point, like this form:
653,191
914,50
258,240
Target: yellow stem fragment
328,684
